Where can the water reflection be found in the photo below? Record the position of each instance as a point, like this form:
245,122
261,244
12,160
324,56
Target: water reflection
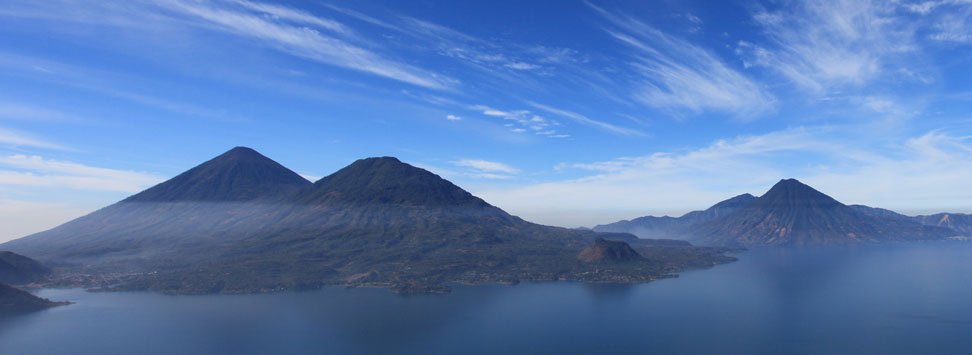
609,293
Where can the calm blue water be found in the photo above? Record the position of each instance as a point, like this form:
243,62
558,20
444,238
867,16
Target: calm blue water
913,298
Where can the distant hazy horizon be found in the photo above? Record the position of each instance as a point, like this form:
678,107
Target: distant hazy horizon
571,115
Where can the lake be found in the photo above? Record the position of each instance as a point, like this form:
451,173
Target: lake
901,298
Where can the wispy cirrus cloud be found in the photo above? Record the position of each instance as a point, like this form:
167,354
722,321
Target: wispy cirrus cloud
479,53
363,17
94,80
305,42
479,169
675,74
324,38
579,118
954,23
474,169
295,15
822,46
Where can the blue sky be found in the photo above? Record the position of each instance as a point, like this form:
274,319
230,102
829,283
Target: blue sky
562,112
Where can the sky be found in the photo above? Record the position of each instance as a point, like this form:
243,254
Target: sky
569,113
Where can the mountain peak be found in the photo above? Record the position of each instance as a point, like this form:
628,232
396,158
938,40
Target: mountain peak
792,213
794,192
241,151
384,159
379,164
387,180
790,183
239,174
374,166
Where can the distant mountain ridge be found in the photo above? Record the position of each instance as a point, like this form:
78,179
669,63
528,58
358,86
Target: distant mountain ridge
676,227
958,222
790,213
243,223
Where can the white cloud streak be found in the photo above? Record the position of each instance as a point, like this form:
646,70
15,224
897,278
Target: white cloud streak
18,111
305,42
24,170
676,74
822,46
20,139
295,15
470,169
486,166
579,118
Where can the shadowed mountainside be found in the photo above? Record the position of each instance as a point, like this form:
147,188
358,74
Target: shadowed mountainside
18,269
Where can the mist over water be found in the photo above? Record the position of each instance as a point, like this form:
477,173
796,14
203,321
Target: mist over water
898,298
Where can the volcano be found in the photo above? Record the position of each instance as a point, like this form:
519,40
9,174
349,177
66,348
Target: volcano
244,223
792,213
